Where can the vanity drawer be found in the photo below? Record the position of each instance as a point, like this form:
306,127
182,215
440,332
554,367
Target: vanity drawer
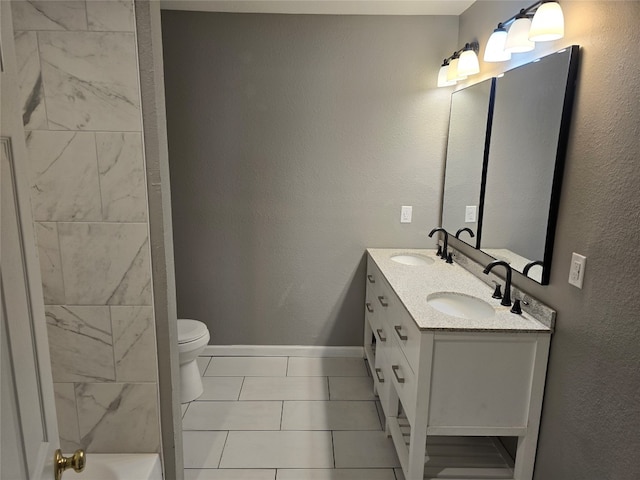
370,344
371,314
403,379
406,334
381,333
373,281
399,323
373,274
382,380
374,324
372,286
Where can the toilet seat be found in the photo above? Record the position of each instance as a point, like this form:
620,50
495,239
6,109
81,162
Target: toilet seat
190,331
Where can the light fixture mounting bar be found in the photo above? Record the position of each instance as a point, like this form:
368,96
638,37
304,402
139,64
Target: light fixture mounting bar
475,46
525,12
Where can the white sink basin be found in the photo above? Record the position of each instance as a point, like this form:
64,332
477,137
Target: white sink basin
460,305
411,259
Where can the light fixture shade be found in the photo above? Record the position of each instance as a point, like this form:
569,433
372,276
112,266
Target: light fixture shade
547,23
442,77
452,73
468,63
494,52
518,37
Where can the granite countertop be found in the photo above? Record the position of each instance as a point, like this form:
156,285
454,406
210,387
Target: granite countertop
412,284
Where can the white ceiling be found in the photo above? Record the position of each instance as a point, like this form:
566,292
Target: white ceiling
327,7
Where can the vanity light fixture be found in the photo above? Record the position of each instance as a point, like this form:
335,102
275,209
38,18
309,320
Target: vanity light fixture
459,65
548,23
518,36
468,63
442,75
452,72
542,21
495,51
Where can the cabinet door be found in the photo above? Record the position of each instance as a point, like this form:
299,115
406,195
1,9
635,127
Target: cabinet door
482,380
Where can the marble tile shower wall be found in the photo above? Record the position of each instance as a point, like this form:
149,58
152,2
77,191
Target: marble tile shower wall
81,112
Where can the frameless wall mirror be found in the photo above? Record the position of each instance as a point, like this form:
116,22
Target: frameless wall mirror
531,119
505,155
469,132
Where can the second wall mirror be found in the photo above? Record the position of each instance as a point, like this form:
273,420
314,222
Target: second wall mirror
469,133
522,162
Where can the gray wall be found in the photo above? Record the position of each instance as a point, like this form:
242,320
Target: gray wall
590,421
293,142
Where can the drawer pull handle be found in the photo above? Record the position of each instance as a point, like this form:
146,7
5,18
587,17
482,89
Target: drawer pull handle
378,372
382,337
382,302
369,307
395,369
402,337
371,279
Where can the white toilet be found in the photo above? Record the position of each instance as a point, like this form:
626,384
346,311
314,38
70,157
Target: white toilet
193,336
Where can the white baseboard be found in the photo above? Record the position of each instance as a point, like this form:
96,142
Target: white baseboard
281,351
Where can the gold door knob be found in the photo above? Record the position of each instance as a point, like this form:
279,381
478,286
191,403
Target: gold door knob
77,461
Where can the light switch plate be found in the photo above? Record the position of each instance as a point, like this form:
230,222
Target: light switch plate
406,213
471,214
576,271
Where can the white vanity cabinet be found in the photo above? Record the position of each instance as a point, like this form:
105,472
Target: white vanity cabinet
457,388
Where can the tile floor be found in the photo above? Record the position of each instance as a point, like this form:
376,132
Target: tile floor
286,418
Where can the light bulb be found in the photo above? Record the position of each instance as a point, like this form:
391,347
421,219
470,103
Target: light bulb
452,73
547,23
518,37
494,52
468,63
442,77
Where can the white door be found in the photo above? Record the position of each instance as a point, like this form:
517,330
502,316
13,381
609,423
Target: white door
28,426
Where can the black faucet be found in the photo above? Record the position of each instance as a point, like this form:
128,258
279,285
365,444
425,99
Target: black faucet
445,256
528,266
465,229
506,298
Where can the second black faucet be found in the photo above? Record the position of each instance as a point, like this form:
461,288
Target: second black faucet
445,255
506,298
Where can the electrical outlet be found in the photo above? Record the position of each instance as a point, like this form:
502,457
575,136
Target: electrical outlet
405,214
471,214
576,271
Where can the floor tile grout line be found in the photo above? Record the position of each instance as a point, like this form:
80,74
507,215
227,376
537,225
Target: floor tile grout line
204,372
351,429
380,415
226,437
333,449
293,468
241,387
